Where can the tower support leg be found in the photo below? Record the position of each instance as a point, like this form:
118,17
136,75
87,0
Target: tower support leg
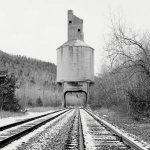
64,103
85,102
88,95
63,97
64,100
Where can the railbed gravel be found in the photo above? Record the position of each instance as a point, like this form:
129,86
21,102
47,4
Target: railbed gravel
53,137
72,141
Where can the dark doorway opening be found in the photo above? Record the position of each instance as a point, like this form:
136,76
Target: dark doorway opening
75,98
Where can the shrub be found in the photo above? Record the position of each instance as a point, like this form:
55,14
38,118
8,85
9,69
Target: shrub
30,103
139,103
39,102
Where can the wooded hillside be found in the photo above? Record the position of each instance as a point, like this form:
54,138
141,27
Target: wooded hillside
35,78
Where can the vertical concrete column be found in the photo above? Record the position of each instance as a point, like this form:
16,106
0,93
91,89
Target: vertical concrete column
64,100
63,97
85,103
88,95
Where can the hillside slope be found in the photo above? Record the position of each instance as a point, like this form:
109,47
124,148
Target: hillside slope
36,78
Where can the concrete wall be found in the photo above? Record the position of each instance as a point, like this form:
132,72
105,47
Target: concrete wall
75,64
78,86
75,27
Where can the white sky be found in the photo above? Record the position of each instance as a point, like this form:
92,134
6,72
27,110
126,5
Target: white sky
35,28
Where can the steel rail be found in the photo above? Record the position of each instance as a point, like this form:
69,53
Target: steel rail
8,126
24,132
81,137
133,143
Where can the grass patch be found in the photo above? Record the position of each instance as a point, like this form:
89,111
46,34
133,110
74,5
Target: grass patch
140,129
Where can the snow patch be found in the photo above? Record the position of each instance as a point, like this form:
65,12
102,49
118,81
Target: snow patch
9,120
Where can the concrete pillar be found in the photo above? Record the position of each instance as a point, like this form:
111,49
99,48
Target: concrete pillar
63,97
64,100
88,95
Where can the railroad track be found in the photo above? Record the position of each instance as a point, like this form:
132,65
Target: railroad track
75,137
8,126
96,136
105,136
14,131
90,132
77,129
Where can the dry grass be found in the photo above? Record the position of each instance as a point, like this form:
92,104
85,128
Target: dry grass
5,114
32,93
42,109
140,129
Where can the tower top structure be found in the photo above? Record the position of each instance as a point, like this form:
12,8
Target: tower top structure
75,27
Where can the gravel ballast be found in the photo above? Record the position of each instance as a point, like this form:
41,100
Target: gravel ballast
51,136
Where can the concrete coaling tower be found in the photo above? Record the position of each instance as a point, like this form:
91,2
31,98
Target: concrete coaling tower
75,60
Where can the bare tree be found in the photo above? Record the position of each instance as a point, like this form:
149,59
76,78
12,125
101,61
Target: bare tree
129,50
129,54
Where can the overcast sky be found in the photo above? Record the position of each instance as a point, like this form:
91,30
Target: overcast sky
35,28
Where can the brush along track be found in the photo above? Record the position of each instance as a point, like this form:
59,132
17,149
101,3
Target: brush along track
105,136
14,133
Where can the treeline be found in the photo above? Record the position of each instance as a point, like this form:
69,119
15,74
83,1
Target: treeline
28,69
35,79
124,82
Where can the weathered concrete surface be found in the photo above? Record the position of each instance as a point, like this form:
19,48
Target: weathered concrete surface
75,27
75,63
